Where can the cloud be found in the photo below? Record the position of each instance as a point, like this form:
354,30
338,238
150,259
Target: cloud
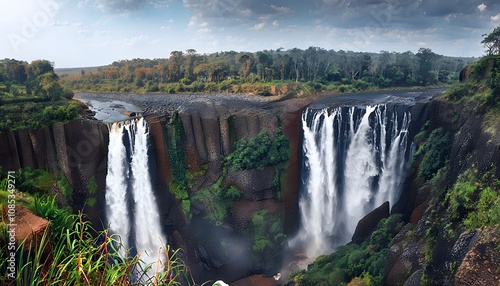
481,7
258,26
281,9
134,40
220,12
495,19
122,6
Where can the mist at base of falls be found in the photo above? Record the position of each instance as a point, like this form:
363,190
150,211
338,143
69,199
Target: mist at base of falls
354,160
131,208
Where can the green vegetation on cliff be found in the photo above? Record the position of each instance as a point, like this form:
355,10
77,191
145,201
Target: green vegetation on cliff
353,262
260,152
475,199
217,201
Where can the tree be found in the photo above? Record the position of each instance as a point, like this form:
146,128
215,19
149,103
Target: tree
174,65
426,58
39,67
50,87
190,59
492,42
246,62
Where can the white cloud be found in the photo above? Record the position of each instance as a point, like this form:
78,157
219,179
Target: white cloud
204,30
193,21
121,7
495,19
135,40
276,23
481,7
281,9
258,26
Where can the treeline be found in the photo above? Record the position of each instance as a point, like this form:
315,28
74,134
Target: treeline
31,96
192,72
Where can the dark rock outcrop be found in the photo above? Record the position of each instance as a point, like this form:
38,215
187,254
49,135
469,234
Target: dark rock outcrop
77,150
404,256
368,223
481,265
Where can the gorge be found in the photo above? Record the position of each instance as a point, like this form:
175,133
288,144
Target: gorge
190,139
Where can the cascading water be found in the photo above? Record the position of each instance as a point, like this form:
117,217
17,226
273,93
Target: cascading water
131,209
354,160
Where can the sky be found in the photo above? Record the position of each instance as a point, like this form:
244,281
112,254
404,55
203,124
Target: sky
83,33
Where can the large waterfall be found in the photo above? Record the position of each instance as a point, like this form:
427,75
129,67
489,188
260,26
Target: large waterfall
354,160
131,209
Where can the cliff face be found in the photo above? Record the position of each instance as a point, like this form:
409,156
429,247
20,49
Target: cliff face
76,150
209,134
436,248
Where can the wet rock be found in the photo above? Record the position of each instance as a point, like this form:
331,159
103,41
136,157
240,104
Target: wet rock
368,223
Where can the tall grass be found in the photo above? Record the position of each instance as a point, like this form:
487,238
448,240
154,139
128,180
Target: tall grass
69,253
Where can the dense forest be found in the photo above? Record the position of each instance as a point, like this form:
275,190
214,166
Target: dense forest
313,69
31,96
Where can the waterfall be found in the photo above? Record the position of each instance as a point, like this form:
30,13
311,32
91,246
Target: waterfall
354,160
131,209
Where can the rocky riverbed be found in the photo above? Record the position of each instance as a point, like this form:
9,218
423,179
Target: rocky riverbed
164,103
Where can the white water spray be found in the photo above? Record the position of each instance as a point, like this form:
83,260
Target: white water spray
354,160
132,179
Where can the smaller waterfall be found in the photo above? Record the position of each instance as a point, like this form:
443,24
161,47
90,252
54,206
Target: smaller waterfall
131,207
354,160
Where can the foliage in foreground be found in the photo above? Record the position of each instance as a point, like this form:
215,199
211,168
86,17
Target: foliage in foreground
353,262
69,254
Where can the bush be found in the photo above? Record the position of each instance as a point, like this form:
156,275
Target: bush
475,199
267,232
34,181
217,201
353,263
460,90
361,85
259,152
435,152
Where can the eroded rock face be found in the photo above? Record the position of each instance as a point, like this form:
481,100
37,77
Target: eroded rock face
210,132
76,150
481,265
404,256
